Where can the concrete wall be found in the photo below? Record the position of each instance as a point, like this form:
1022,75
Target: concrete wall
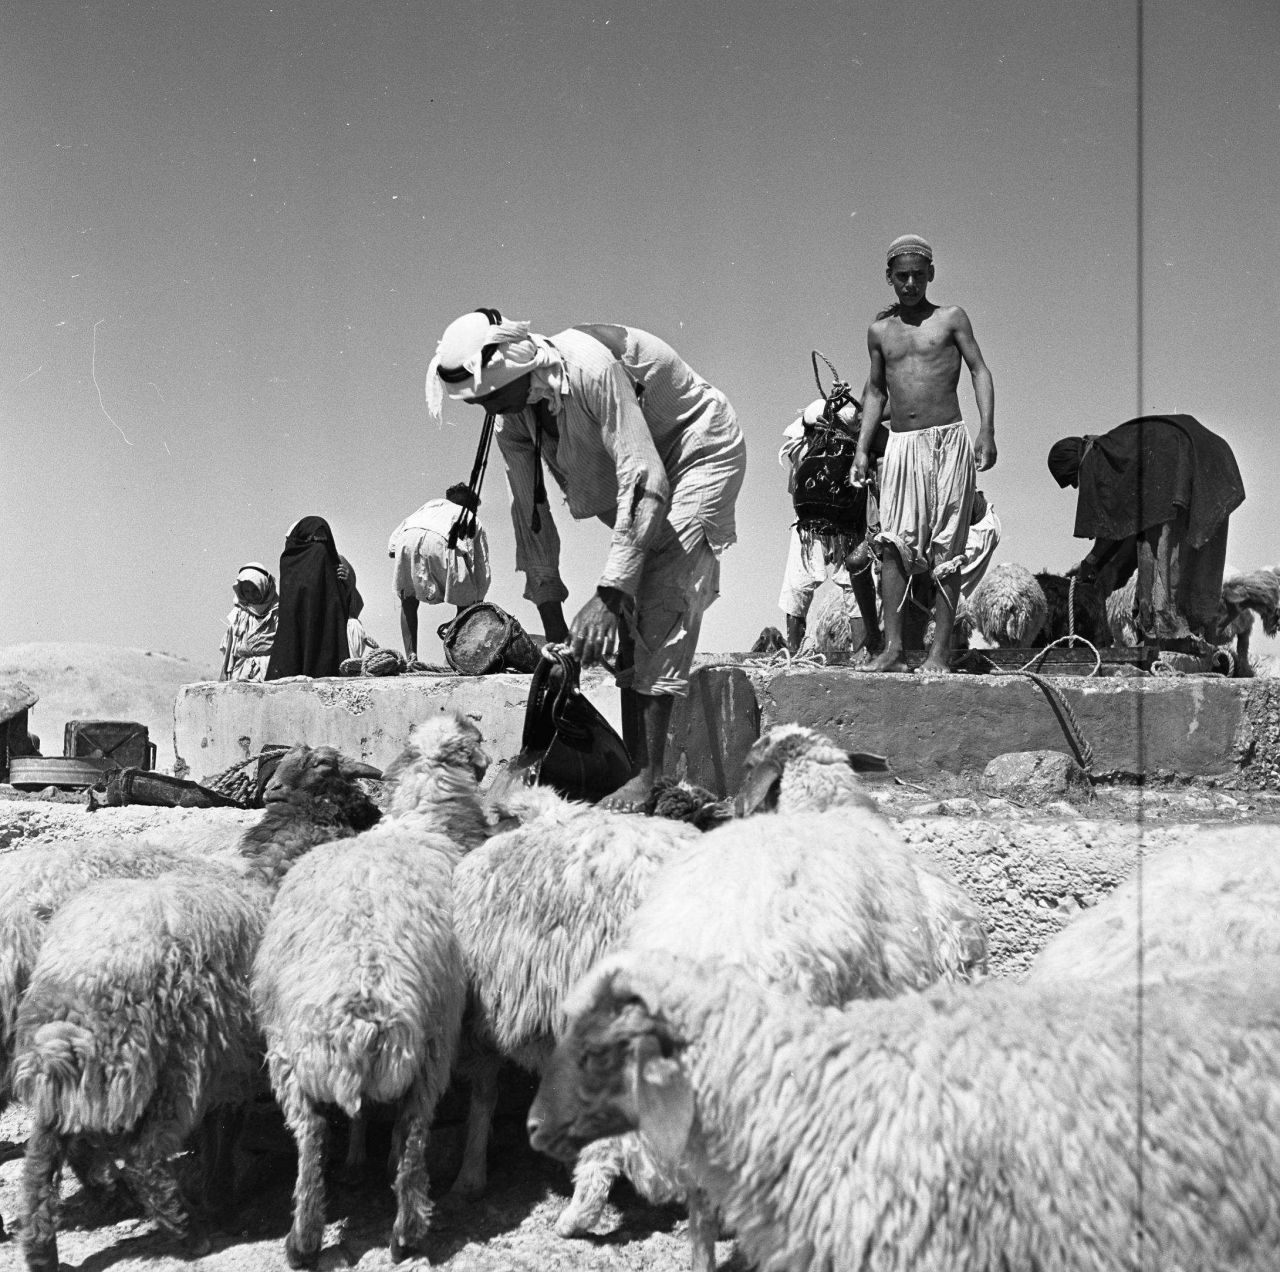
1184,726
367,717
1181,725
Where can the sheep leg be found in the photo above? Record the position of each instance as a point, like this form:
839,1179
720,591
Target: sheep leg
220,1133
148,1170
357,1159
306,1121
41,1176
704,1227
413,1203
598,1165
473,1174
150,1174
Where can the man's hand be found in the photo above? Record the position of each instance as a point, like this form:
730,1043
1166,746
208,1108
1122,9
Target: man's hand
861,466
593,634
984,452
1087,571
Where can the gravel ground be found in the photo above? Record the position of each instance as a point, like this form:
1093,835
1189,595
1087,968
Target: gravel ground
1030,869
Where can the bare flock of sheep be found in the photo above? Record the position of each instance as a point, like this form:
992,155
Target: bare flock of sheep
784,1021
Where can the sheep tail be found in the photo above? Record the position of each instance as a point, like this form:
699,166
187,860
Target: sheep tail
49,1071
358,1060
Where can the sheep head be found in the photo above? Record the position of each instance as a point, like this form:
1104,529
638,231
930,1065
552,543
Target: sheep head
316,771
1259,591
445,758
617,1067
792,767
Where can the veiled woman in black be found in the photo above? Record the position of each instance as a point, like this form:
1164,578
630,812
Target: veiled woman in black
311,636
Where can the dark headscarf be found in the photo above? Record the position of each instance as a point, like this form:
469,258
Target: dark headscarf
311,638
1064,461
1150,470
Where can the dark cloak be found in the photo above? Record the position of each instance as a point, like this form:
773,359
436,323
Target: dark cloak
1143,473
311,633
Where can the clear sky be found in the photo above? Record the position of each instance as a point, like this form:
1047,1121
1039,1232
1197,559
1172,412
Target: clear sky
232,234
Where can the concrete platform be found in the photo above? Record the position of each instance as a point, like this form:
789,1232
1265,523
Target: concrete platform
1186,726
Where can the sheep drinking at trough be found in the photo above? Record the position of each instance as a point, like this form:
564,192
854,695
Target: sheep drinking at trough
313,797
1007,609
358,982
972,1129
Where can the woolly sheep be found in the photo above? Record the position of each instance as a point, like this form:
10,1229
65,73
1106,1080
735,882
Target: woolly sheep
1008,608
313,798
971,1129
1216,897
136,1021
1243,596
793,768
1083,614
358,982
824,906
534,908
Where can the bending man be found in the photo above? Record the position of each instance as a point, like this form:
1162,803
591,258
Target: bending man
1156,494
633,436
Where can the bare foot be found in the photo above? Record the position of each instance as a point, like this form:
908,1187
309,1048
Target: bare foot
889,660
629,798
936,665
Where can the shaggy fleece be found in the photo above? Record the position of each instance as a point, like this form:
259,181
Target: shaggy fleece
358,976
139,1000
823,904
536,906
964,1130
1216,898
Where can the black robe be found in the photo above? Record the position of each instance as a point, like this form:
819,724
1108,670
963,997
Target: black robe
1145,472
311,632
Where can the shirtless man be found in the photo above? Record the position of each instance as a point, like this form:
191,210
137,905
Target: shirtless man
928,479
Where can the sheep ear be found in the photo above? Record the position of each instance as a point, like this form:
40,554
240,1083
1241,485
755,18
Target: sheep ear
756,788
865,762
357,768
664,1100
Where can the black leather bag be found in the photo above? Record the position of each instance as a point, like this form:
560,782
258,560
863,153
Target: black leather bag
567,744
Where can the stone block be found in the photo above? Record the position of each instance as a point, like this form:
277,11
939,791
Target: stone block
1033,776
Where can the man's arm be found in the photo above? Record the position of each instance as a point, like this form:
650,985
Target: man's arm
984,391
644,495
644,491
875,394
